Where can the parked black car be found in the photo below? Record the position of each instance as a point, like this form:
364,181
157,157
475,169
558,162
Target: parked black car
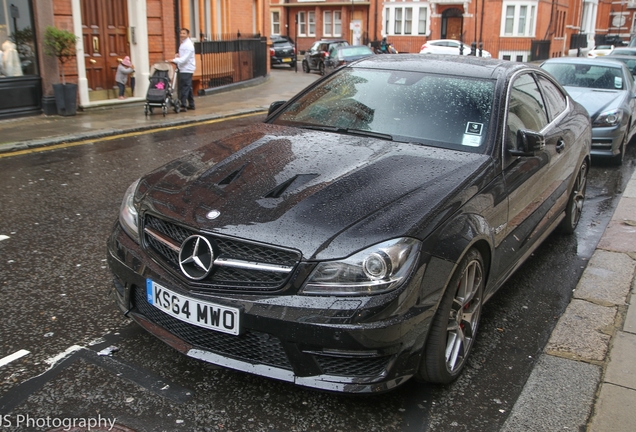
282,51
344,54
315,58
352,240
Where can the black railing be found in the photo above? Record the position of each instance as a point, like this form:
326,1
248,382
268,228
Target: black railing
578,41
232,59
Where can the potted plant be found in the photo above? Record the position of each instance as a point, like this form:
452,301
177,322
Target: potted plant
61,44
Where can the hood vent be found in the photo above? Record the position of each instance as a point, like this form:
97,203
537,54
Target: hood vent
296,181
232,176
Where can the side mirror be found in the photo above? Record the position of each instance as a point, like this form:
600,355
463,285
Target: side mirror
274,106
529,143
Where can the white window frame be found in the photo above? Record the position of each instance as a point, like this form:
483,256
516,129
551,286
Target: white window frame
395,16
275,30
302,23
327,23
311,23
523,18
332,23
195,28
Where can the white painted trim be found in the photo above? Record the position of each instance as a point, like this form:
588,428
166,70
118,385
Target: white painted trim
137,17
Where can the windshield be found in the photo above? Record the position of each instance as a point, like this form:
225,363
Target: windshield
439,110
586,75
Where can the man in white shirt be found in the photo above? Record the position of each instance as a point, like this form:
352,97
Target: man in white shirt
185,61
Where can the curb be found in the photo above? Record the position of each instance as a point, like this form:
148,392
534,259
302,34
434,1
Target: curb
95,135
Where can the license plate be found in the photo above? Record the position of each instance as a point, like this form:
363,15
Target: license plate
286,60
200,313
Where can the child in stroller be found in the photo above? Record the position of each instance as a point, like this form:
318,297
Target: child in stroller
162,89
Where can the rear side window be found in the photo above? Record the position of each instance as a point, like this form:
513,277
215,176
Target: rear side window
554,99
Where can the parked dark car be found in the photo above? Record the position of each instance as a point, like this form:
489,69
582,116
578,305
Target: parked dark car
606,89
342,55
350,242
315,57
629,60
282,51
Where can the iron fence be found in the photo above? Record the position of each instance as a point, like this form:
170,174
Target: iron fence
231,59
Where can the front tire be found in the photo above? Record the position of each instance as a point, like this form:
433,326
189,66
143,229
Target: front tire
575,202
455,323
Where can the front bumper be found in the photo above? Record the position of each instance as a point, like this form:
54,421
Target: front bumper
606,141
317,342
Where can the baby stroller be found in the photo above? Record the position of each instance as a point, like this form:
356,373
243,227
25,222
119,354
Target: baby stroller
162,89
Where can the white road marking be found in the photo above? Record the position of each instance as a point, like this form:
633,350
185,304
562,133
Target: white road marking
16,355
3,237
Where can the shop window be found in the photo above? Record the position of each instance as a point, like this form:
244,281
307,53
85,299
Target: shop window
17,40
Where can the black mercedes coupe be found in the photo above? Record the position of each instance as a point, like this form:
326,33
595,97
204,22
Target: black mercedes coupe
350,241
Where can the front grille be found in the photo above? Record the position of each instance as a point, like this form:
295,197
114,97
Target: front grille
347,366
224,278
251,347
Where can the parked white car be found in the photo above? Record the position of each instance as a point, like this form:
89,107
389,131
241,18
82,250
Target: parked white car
448,46
600,50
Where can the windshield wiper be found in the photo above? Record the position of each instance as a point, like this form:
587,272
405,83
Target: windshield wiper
349,131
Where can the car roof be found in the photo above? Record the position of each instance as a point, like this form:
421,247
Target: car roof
477,67
587,61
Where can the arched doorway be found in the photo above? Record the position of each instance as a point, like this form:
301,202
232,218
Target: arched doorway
452,24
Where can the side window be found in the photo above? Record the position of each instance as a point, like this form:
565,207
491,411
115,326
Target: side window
525,109
554,99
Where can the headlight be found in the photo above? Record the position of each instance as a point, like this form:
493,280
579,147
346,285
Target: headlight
128,216
377,269
608,118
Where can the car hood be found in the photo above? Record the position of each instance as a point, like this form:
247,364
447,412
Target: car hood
597,101
324,194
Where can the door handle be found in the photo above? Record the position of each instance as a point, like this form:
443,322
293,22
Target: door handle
560,146
93,61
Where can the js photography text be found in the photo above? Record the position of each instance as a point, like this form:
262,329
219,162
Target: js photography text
66,423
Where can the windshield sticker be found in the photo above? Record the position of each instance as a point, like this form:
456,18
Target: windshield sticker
474,128
618,82
471,140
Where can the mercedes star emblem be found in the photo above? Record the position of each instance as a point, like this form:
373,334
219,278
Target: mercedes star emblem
196,257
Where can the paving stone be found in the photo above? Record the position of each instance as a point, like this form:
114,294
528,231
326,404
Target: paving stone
615,410
558,396
620,234
621,369
607,278
583,331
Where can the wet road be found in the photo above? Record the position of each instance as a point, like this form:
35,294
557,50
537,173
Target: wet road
58,208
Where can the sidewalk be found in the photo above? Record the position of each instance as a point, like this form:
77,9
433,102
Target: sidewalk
587,372
118,117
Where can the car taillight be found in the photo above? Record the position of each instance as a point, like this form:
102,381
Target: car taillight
323,54
423,46
294,50
272,52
